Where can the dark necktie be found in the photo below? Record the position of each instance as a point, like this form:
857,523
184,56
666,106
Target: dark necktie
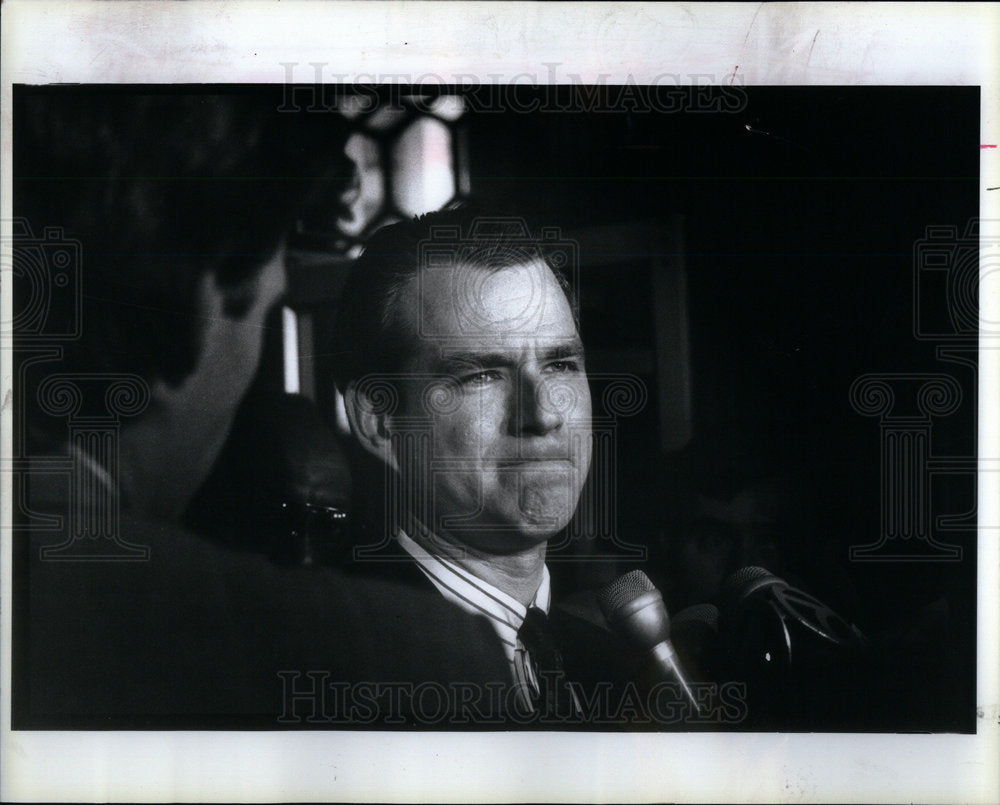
555,698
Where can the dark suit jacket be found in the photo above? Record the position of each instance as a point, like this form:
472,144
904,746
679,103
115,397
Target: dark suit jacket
197,636
616,686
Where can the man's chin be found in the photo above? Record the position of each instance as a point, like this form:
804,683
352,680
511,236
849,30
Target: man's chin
511,536
537,528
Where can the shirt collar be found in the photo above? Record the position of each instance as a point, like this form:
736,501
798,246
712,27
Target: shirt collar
476,596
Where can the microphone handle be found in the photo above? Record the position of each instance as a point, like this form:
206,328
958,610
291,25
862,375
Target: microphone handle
666,658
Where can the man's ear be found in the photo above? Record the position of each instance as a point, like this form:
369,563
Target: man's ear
370,424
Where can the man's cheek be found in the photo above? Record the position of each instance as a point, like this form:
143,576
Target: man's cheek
582,410
460,492
460,437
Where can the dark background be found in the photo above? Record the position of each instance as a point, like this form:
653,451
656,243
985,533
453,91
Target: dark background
801,211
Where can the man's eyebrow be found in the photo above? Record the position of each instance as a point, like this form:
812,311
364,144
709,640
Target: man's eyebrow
468,360
571,348
457,360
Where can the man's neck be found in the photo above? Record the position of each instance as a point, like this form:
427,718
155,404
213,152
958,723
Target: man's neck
516,574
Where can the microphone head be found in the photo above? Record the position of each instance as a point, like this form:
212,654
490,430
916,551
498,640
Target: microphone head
622,591
634,607
746,581
697,616
783,603
695,627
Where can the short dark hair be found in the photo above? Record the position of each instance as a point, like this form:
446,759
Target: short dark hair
368,334
161,188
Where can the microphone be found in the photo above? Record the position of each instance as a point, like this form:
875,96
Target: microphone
796,654
635,610
701,621
755,591
694,632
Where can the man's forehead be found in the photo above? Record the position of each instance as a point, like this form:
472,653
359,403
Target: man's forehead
498,350
465,301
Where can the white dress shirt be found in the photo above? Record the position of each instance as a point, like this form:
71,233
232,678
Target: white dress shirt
477,597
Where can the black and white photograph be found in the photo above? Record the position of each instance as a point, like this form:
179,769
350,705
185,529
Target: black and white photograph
447,408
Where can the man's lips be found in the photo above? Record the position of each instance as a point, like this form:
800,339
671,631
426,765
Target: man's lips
531,461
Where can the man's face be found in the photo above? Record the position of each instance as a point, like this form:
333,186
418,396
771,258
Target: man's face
498,385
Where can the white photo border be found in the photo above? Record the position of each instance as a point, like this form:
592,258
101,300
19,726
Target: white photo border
752,44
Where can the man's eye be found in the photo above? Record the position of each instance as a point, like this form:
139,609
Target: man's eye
563,367
483,378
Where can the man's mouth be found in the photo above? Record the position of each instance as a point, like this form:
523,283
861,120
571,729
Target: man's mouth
534,461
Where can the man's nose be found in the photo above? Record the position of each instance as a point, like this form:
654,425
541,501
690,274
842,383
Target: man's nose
540,406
